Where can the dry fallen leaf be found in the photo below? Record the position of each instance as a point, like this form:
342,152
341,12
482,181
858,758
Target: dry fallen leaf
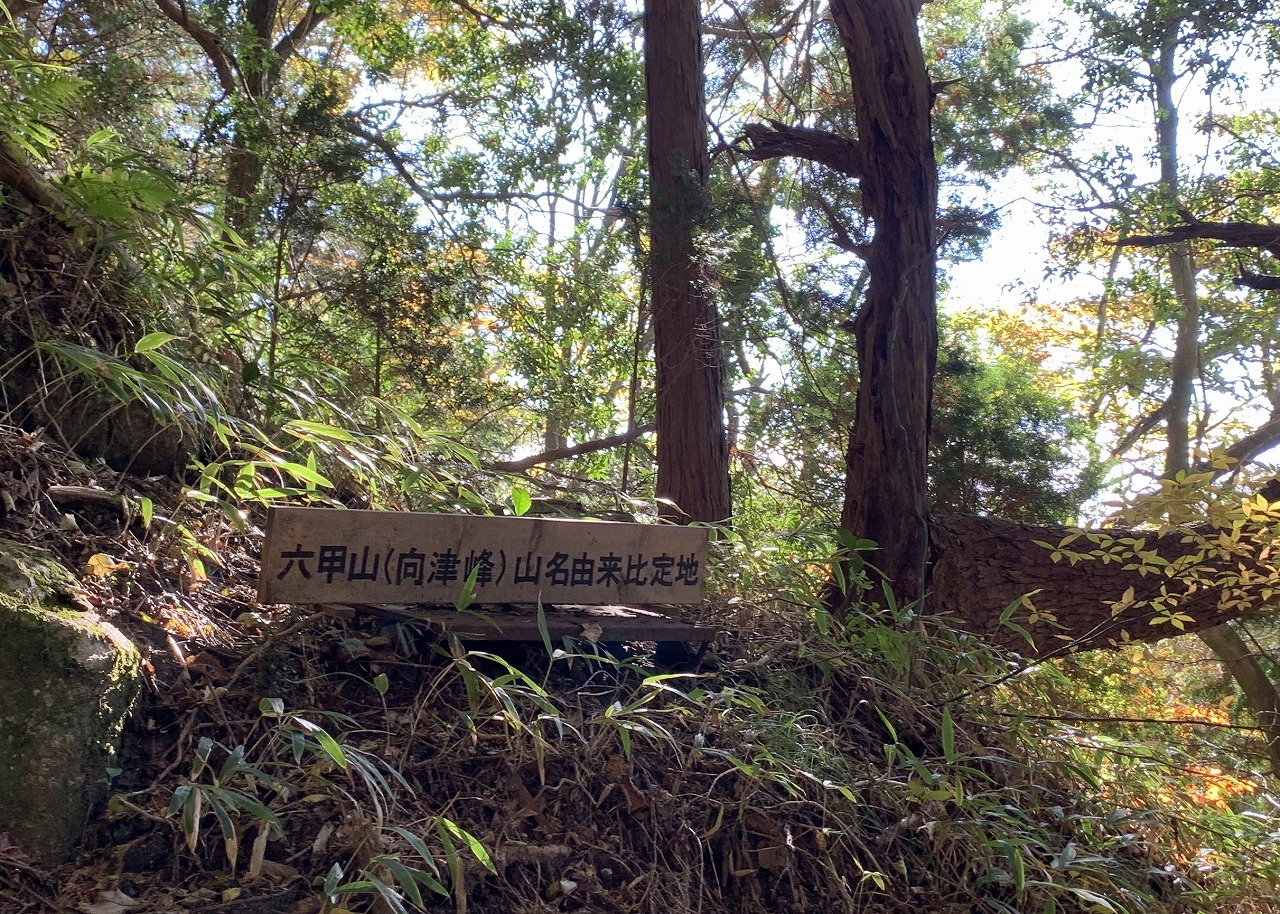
100,565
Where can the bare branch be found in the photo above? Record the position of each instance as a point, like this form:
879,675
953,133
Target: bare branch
723,30
209,41
1140,428
842,239
1232,234
401,164
777,140
577,450
287,46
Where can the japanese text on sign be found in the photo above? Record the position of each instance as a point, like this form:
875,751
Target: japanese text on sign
331,555
489,567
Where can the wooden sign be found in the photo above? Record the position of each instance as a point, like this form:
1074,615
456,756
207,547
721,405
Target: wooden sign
324,555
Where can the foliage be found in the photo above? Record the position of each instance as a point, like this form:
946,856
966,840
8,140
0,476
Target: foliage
854,766
411,247
1003,443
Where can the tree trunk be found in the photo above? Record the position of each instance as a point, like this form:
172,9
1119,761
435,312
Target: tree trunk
982,565
693,457
991,577
1242,663
896,328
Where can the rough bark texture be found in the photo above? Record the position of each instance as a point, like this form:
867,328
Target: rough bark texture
693,457
980,565
896,328
778,140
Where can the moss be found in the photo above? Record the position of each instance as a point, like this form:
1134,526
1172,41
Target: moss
67,682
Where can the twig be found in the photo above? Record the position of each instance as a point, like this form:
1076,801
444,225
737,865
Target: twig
271,642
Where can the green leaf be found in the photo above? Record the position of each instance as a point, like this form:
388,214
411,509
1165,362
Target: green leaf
381,683
404,877
1093,898
327,742
521,501
472,842
948,735
1017,866
418,845
203,748
331,880
468,595
153,341
241,800
393,898
543,631
179,797
305,473
302,428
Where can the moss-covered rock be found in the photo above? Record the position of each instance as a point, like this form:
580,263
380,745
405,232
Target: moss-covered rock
67,682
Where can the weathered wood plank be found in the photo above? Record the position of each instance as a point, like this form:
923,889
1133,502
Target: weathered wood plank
323,555
513,623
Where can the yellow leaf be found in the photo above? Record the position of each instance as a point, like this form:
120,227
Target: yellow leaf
100,565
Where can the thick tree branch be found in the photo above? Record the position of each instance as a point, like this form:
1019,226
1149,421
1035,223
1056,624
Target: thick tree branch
1232,234
981,566
577,450
209,41
18,175
778,140
1251,445
1262,282
288,45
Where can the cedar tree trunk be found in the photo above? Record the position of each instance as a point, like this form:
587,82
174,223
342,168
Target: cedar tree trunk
693,457
973,569
896,328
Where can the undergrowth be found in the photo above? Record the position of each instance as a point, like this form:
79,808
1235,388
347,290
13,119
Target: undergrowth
877,764
844,771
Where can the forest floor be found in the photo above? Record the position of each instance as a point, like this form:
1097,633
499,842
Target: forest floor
283,760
